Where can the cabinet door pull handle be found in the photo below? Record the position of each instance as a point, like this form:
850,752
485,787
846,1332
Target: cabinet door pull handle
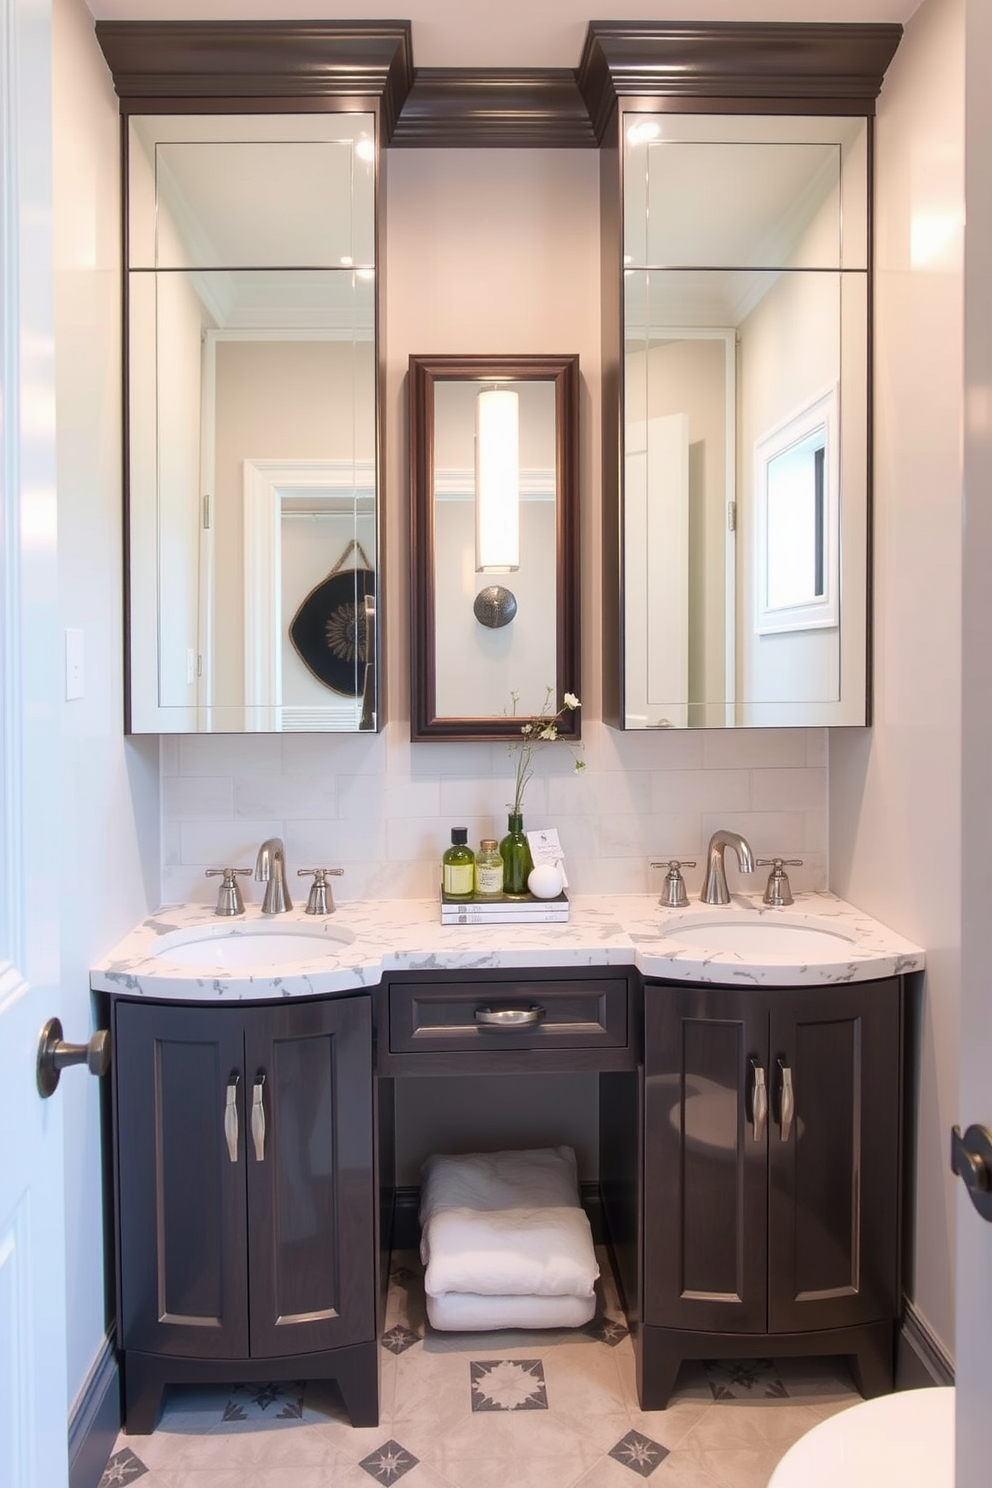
258,1117
759,1100
788,1101
231,1118
509,1017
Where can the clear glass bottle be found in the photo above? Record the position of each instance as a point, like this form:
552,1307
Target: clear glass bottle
517,861
488,869
458,867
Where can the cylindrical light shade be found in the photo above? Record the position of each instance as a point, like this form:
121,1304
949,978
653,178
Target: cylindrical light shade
497,481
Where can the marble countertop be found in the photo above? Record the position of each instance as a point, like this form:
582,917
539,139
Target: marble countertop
364,939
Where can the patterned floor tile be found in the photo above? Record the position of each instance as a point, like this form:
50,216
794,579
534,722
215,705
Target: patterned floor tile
123,1467
639,1453
399,1338
609,1330
508,1385
743,1379
389,1463
516,1409
265,1402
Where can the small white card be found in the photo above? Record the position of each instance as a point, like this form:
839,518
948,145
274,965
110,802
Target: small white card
546,848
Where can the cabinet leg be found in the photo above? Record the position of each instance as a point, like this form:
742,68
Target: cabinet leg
873,1365
358,1382
143,1386
658,1362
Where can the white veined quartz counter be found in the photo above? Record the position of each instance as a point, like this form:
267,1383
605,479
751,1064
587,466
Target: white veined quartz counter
186,951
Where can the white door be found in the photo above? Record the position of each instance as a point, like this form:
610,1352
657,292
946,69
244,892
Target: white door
973,1343
33,1446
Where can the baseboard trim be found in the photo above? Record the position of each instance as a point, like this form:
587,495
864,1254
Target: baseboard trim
95,1420
921,1358
406,1216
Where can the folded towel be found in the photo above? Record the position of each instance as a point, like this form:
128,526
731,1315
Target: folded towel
467,1312
506,1223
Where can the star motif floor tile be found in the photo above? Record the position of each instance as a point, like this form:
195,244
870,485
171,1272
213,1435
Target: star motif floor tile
508,1385
123,1467
744,1379
639,1453
398,1339
387,1464
265,1402
608,1330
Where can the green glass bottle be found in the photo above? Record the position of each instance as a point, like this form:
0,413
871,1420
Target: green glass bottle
517,861
458,867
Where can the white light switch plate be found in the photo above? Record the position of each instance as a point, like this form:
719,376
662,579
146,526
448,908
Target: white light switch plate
73,665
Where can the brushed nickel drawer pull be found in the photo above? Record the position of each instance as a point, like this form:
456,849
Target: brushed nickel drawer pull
759,1100
258,1117
509,1017
788,1100
231,1118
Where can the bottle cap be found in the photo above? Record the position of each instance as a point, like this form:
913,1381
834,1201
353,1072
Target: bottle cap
488,844
459,836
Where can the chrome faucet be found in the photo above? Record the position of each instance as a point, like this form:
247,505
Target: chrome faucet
715,889
270,869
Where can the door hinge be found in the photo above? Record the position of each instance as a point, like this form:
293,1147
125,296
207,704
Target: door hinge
731,516
206,513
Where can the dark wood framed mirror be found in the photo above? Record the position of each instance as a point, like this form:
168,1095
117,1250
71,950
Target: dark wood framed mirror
494,635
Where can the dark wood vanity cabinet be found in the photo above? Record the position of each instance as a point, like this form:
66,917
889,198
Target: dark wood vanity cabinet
244,1187
771,1176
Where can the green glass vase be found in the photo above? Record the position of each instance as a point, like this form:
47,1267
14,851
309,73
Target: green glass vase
515,852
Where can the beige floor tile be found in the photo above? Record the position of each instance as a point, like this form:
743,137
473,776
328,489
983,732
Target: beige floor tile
583,1381
560,1471
740,1467
684,1470
750,1425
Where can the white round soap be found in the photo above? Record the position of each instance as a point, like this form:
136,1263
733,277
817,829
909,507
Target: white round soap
545,881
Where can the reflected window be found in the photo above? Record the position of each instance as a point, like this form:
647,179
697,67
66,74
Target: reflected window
796,486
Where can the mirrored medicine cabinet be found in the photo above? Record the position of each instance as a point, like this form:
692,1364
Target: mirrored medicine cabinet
736,223
250,164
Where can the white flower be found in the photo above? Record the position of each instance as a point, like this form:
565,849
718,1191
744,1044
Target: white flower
535,732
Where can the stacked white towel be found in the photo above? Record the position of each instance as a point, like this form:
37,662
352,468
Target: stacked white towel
505,1241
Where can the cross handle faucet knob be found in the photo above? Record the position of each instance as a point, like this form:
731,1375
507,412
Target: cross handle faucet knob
320,900
778,891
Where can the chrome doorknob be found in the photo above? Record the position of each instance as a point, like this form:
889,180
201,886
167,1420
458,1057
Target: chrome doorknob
971,1159
54,1055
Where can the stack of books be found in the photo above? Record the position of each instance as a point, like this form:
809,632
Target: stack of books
502,910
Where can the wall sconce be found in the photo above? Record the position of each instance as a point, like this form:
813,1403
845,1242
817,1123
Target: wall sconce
497,481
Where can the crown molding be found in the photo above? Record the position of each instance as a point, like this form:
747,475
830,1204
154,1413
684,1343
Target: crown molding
268,66
746,67
495,107
710,67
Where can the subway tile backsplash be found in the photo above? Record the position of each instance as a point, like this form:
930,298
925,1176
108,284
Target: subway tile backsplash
381,808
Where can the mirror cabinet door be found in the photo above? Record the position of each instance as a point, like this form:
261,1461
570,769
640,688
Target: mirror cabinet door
252,422
495,629
744,420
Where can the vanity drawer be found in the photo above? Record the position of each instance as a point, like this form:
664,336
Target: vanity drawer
502,1014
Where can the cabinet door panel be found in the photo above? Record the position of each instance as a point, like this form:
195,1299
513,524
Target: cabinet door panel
182,1215
834,1194
705,1182
310,1176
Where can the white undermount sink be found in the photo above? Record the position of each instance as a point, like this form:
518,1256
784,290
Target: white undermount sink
761,936
250,946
